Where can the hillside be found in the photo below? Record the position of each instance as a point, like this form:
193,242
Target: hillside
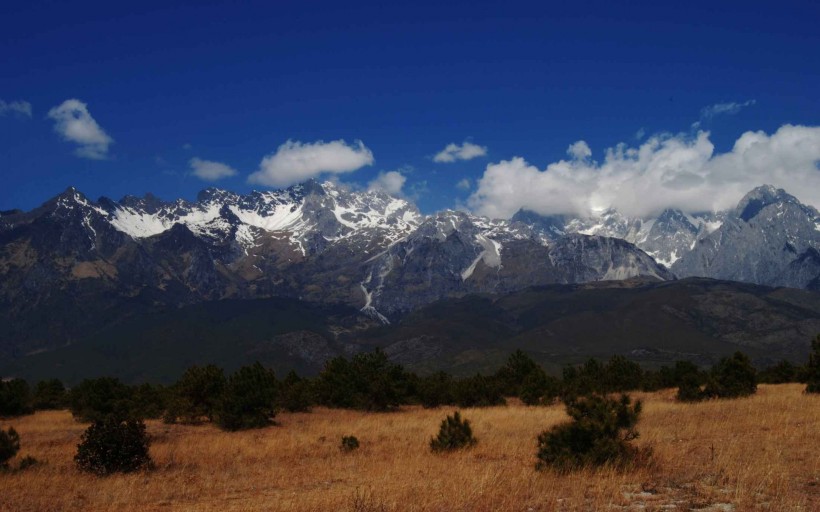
648,321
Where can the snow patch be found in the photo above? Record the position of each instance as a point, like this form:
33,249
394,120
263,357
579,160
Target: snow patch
491,256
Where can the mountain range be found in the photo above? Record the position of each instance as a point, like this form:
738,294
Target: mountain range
74,265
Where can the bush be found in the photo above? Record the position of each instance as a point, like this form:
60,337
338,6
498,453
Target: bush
149,401
98,399
539,388
50,394
813,368
349,443
689,389
731,377
195,395
598,434
9,445
582,380
453,434
27,462
514,373
249,399
295,393
435,390
15,398
781,373
112,445
370,381
478,391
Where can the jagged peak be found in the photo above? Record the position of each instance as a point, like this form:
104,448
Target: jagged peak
761,197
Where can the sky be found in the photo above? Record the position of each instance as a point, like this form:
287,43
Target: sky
483,106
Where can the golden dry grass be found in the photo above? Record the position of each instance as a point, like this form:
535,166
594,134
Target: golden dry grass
759,453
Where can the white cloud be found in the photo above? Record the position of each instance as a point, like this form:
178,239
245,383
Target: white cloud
464,184
664,172
640,133
295,161
390,182
75,124
209,170
453,152
20,108
730,108
579,150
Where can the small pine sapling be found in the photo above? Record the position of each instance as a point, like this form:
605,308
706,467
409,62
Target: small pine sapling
453,434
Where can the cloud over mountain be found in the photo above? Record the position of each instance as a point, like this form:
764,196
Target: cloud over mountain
296,161
209,170
390,182
74,123
666,171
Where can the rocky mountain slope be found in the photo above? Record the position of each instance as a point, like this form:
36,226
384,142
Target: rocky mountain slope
73,261
770,238
646,320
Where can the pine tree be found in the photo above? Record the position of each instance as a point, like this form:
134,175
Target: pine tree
813,368
598,434
453,434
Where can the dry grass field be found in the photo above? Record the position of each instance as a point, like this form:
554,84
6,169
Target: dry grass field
759,453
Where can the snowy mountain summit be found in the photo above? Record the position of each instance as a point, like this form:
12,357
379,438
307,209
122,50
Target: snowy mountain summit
323,242
303,213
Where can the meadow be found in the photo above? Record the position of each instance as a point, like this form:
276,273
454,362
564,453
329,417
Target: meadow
755,453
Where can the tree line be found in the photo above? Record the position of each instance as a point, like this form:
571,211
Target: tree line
251,396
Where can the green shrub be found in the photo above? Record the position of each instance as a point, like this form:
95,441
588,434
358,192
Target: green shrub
149,400
369,381
9,445
539,388
27,462
49,394
598,434
478,391
15,398
453,434
621,374
781,373
295,393
195,395
249,399
349,443
813,368
731,377
516,370
98,399
689,389
113,445
435,390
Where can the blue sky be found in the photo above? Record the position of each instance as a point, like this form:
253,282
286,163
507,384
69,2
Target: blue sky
165,83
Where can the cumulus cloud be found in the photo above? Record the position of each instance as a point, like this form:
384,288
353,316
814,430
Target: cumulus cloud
209,170
453,152
390,182
464,184
75,124
295,161
579,150
19,108
666,171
